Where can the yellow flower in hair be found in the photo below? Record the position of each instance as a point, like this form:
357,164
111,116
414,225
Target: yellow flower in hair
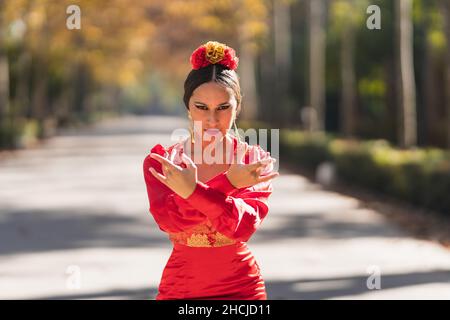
215,51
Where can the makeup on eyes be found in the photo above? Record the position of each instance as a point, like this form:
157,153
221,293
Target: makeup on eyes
200,105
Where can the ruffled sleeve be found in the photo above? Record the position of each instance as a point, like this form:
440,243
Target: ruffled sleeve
236,213
170,211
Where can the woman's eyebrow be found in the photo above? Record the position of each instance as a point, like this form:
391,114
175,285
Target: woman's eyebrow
220,104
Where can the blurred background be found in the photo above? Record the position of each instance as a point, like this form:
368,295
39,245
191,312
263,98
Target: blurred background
360,90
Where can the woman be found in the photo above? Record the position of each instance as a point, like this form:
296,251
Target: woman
210,192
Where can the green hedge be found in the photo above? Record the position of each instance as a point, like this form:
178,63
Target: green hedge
419,176
20,134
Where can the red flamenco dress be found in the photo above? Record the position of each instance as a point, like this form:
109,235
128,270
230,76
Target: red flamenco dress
209,230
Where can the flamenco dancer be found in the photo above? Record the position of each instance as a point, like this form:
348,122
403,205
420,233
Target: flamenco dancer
210,192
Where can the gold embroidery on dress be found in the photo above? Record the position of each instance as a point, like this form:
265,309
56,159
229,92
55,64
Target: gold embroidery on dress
222,240
202,235
198,240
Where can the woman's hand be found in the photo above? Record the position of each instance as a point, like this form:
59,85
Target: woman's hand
245,175
181,180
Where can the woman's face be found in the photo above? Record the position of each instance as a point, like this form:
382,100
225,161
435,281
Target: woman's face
214,107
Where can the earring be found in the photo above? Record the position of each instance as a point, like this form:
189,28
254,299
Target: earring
191,130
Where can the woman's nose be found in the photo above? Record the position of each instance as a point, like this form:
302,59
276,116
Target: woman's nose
212,118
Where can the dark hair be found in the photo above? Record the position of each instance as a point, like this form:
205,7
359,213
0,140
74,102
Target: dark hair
213,72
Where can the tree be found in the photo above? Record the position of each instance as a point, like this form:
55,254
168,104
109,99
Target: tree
406,97
446,15
316,23
347,15
282,55
4,80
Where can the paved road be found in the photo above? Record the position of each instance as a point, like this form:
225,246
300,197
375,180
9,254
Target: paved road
74,224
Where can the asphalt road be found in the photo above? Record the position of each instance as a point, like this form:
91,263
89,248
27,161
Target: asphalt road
74,224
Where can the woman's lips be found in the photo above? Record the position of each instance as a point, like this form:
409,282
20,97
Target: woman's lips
212,131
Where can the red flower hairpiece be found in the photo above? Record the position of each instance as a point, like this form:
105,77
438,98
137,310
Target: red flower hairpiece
214,52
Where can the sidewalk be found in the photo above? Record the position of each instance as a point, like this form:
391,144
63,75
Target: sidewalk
80,201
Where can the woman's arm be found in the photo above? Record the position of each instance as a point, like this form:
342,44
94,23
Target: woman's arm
236,216
164,203
235,212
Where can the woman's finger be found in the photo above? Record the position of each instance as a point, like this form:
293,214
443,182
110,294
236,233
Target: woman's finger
258,164
164,161
253,166
158,176
259,170
172,154
159,158
188,161
268,177
241,152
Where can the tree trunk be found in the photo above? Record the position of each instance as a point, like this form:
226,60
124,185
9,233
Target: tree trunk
348,80
4,84
446,14
282,39
316,17
407,127
39,91
23,82
428,113
429,96
247,72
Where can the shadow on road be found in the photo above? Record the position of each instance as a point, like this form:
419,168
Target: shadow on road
38,231
327,288
296,289
122,294
49,230
318,226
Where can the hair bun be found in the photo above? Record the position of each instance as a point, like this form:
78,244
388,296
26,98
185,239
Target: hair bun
214,52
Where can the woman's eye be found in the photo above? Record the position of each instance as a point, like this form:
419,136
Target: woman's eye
201,107
224,107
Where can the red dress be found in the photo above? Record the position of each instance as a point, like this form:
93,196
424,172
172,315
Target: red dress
210,258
